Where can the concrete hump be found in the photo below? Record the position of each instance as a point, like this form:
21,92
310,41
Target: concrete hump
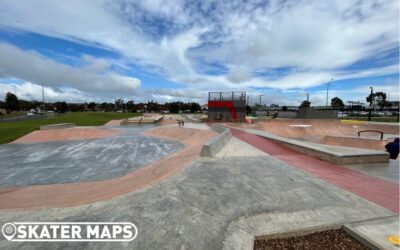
214,145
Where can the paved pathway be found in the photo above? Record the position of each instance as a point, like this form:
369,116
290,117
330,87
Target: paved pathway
382,192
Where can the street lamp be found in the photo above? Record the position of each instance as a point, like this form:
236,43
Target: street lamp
327,91
42,97
370,103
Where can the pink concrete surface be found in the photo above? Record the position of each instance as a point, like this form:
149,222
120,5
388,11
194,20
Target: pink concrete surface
76,133
72,194
319,129
113,123
382,192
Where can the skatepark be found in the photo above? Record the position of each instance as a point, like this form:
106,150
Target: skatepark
205,185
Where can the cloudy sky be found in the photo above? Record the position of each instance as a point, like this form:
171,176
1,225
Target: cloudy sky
180,50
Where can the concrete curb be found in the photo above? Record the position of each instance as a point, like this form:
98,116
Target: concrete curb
371,233
57,126
213,146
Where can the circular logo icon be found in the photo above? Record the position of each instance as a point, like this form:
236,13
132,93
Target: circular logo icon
9,230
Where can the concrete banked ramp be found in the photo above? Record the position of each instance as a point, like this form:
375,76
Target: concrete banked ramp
334,154
214,145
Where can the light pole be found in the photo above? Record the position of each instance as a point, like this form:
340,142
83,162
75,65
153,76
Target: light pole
308,96
260,98
43,97
327,91
371,97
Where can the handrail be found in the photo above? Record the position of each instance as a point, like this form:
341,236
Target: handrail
368,130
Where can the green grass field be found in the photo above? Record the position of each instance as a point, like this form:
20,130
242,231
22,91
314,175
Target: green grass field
9,131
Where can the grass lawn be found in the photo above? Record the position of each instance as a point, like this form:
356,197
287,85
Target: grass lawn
9,131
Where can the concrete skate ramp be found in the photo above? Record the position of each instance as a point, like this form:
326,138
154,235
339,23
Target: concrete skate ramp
333,154
369,143
72,194
79,160
76,133
330,132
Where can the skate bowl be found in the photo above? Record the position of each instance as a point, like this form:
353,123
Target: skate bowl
64,171
329,132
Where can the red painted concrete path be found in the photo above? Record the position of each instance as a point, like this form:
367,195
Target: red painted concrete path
382,192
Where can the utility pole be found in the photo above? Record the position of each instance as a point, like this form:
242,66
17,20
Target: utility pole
370,103
260,99
308,96
327,91
42,97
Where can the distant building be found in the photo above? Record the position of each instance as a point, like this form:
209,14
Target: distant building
227,106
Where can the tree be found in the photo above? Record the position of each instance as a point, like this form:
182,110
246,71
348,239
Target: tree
305,104
130,105
61,107
337,102
284,108
119,104
371,98
274,106
173,107
12,102
378,98
194,107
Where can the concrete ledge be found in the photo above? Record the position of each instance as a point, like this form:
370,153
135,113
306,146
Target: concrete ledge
57,126
214,145
334,154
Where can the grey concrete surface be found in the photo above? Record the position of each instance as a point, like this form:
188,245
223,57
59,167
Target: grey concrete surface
199,207
375,233
334,154
82,160
215,144
388,171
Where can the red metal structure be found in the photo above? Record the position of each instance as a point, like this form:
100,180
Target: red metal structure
227,106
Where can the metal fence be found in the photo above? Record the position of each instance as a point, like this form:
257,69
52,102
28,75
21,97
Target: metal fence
29,117
227,96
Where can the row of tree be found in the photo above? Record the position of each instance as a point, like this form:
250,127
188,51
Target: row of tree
374,99
12,103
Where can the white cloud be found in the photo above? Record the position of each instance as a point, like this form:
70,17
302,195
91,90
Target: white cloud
31,66
33,92
315,38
